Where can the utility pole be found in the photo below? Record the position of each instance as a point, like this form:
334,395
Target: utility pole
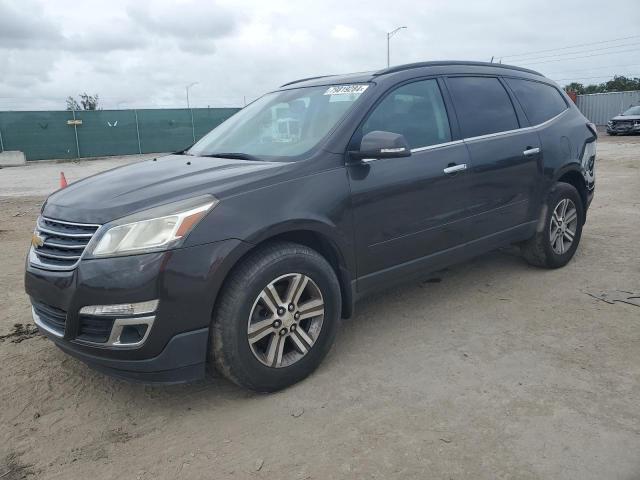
389,35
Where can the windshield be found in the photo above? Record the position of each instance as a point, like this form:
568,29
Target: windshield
633,111
286,123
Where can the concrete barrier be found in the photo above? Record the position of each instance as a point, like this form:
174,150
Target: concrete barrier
12,159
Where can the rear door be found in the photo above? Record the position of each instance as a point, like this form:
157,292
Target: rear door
505,160
407,208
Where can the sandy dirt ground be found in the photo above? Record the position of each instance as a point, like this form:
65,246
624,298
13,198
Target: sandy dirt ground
488,370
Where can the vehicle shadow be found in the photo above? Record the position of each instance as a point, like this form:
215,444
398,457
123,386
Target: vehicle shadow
387,311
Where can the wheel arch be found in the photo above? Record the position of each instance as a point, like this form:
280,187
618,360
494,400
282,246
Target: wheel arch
573,176
328,248
315,236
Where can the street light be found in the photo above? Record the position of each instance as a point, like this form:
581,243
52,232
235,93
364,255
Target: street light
389,35
187,89
193,127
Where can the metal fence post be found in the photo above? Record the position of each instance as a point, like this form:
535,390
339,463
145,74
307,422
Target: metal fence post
1,142
193,127
75,129
135,112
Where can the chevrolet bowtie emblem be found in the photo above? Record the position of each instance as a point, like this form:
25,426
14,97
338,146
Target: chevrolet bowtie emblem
37,240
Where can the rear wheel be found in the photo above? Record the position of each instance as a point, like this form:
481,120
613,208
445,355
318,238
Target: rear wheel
556,243
276,318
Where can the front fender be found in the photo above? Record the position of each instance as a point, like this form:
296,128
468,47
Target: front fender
317,203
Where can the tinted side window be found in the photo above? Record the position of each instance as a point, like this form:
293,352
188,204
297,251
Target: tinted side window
415,110
483,105
539,101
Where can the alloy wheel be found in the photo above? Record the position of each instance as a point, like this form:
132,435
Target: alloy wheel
564,222
285,320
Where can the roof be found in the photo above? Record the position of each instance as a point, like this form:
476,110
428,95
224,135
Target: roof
446,63
362,77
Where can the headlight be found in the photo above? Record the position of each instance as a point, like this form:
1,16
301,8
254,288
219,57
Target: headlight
152,230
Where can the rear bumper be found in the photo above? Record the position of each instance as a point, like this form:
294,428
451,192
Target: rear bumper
590,196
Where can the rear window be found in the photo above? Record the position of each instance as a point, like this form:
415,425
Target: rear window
482,105
539,101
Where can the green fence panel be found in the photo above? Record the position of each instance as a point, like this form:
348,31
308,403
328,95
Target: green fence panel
40,135
206,119
107,132
47,135
167,130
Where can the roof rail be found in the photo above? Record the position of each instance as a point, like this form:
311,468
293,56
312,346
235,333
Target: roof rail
442,63
305,79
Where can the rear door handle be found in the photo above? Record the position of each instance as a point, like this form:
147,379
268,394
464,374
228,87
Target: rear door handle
531,151
451,169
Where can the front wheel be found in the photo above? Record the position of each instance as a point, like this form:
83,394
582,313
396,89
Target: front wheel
276,318
556,242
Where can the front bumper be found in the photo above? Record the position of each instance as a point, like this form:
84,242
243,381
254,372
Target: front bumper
623,130
184,281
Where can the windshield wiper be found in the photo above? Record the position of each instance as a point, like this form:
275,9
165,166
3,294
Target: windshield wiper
234,155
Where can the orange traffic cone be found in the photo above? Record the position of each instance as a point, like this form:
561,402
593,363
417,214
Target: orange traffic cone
63,180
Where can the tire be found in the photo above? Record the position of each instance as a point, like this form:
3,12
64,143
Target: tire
246,300
611,134
539,250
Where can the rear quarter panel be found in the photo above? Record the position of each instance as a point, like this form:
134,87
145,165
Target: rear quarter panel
563,142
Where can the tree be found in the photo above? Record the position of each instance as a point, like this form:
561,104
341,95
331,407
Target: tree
87,102
619,83
575,87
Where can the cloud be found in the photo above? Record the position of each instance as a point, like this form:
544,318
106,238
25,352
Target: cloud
343,32
142,54
194,26
25,26
103,40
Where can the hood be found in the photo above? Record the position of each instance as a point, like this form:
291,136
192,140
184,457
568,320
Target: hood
113,194
626,117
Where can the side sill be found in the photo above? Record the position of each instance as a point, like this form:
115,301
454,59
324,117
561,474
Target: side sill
421,266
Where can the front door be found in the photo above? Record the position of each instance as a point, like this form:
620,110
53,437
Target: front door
408,208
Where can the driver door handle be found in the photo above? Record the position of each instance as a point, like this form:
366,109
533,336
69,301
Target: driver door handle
531,151
451,169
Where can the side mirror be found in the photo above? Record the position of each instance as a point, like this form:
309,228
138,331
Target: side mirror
379,144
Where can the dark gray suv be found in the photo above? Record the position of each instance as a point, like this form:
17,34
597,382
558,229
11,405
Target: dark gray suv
627,122
245,250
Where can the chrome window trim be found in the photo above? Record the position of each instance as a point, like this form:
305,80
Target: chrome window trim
517,130
479,137
437,145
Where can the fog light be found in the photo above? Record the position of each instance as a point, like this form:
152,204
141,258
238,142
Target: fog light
133,334
130,332
123,309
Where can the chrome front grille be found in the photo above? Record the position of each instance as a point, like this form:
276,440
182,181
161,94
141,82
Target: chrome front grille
59,245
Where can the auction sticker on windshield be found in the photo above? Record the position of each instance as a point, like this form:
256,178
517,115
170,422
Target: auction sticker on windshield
346,89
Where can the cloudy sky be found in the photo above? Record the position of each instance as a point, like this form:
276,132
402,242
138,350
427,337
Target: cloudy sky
143,54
